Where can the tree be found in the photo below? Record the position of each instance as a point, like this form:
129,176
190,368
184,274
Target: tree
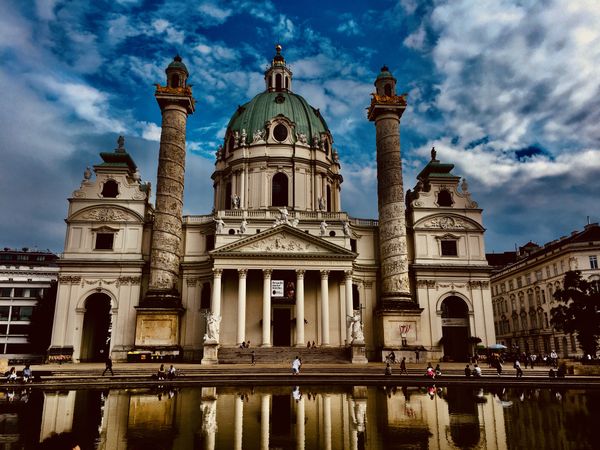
579,312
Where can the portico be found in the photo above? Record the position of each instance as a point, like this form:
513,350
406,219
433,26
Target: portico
287,293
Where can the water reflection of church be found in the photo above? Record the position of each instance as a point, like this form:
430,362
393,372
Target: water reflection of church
352,418
278,262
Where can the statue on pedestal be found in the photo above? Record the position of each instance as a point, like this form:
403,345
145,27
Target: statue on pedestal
213,323
356,328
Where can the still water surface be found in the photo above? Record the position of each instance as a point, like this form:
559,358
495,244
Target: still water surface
305,418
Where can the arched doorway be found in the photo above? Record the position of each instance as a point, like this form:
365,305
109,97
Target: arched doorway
455,329
95,340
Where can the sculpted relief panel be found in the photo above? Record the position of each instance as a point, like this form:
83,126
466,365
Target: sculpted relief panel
282,243
448,223
108,215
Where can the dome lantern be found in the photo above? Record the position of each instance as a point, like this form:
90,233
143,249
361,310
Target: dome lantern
278,77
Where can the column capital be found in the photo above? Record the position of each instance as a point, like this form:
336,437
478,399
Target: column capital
300,273
267,273
348,275
324,274
242,273
217,272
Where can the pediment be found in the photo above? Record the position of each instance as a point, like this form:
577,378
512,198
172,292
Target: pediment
284,240
447,222
108,213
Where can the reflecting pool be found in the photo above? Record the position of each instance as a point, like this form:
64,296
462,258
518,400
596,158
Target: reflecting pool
304,418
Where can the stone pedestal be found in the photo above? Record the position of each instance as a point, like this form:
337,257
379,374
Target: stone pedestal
358,353
157,327
210,353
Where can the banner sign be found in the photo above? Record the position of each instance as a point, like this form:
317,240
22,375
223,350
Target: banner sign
277,288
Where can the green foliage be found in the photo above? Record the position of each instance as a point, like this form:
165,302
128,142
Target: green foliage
579,311
42,319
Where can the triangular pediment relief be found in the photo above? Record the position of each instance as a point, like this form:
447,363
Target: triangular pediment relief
284,240
447,222
108,213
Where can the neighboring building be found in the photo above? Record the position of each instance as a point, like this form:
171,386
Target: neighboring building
25,276
278,262
523,284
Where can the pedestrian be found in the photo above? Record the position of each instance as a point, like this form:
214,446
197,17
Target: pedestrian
296,363
27,374
533,359
498,365
417,355
438,370
403,366
108,366
171,372
253,354
12,375
388,369
476,371
554,359
468,371
517,366
314,345
248,344
161,374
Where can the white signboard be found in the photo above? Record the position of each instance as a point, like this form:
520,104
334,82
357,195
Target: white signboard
276,288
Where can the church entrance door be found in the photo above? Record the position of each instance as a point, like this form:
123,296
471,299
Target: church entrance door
282,327
455,329
95,341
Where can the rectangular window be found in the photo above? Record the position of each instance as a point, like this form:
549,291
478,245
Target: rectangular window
593,262
22,257
104,241
18,292
519,282
547,271
528,278
21,312
449,248
4,311
41,258
538,275
513,304
510,285
562,266
210,242
555,269
543,296
353,245
503,287
5,292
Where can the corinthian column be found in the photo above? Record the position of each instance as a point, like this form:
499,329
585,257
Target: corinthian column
386,110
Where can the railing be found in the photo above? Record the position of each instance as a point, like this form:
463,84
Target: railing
268,214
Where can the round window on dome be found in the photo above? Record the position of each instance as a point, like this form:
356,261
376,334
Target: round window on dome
280,132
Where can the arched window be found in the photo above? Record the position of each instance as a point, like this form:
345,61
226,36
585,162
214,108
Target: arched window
444,198
110,189
278,82
355,297
230,144
175,80
454,307
279,193
328,198
388,90
287,83
228,204
205,296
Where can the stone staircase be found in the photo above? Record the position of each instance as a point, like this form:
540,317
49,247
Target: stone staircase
277,355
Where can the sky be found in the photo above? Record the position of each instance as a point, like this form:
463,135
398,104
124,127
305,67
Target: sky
508,91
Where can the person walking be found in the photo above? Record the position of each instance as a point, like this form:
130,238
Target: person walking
517,366
403,366
417,355
108,365
296,363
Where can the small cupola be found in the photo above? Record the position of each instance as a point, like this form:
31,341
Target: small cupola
177,74
385,83
278,77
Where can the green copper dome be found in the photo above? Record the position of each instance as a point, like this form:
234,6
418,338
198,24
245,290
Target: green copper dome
267,105
177,64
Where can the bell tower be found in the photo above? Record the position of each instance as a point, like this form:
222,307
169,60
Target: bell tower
157,323
278,77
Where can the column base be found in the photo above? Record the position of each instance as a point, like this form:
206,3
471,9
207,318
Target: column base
358,353
266,345
210,354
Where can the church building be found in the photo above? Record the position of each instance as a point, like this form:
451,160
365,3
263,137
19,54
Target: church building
278,267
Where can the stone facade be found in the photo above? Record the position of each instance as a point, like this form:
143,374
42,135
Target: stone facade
523,284
278,262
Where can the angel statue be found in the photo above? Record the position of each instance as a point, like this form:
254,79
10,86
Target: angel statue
213,322
220,225
283,215
323,227
356,328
